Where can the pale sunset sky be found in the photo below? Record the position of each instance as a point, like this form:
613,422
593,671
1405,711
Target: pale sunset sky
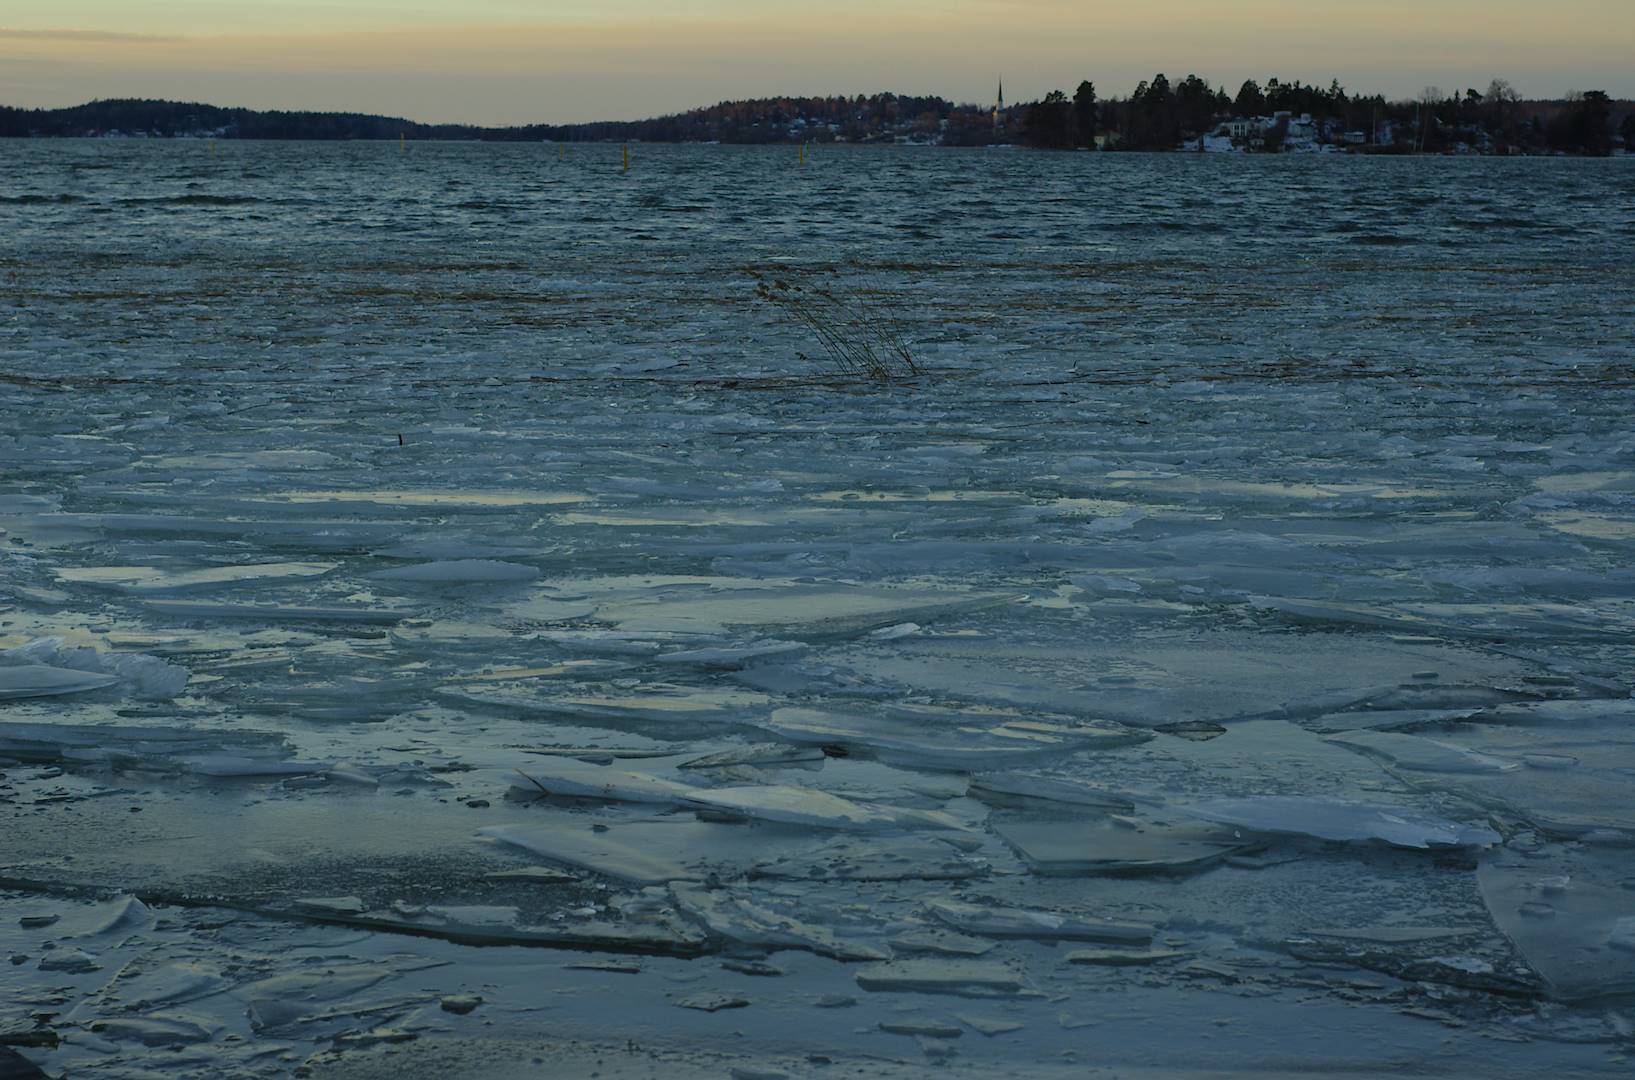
515,61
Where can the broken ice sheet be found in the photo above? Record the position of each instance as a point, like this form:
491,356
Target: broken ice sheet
47,667
459,572
568,779
1114,845
1423,753
813,808
936,738
727,657
283,1000
211,610
961,978
1569,910
123,745
785,610
1341,819
654,707
157,581
1017,788
605,853
42,680
993,921
1562,765
876,858
739,918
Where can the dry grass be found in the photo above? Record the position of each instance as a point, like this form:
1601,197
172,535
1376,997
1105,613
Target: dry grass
858,332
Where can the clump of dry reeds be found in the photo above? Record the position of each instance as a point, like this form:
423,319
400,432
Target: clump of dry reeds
859,333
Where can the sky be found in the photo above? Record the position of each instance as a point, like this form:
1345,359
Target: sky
521,61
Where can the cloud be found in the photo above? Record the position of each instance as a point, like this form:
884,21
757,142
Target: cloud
85,36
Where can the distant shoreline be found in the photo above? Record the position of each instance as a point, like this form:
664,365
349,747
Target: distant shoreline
1289,118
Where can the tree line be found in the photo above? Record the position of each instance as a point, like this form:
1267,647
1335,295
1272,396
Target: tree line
1160,115
1157,115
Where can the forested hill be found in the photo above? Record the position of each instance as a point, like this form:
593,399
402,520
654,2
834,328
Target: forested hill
1280,116
857,119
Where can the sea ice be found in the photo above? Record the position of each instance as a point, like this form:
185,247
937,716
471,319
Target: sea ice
739,919
42,680
579,846
1038,925
1341,819
933,738
1118,846
459,572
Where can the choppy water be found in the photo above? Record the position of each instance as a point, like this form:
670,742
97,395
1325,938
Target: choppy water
1326,460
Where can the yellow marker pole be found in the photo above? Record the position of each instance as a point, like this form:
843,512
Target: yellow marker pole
626,157
561,151
402,147
801,158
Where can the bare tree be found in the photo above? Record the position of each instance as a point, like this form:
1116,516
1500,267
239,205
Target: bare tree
1428,99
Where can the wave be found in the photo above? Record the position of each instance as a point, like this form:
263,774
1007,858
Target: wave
36,200
191,200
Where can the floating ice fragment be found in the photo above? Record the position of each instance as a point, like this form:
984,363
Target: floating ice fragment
74,961
459,572
1582,949
449,549
957,977
1422,754
169,984
1126,846
144,676
1393,935
239,765
1341,819
729,657
757,754
895,632
739,919
283,999
1384,719
942,943
155,581
1006,788
1103,585
930,1027
877,858
205,609
579,846
934,738
1122,957
331,905
567,779
795,806
41,680
608,642
90,743
1037,925
712,1002
120,915
653,706
152,1030
989,1026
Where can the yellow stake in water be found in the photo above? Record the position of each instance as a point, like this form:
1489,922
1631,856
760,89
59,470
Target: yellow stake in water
801,158
561,151
402,147
626,157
